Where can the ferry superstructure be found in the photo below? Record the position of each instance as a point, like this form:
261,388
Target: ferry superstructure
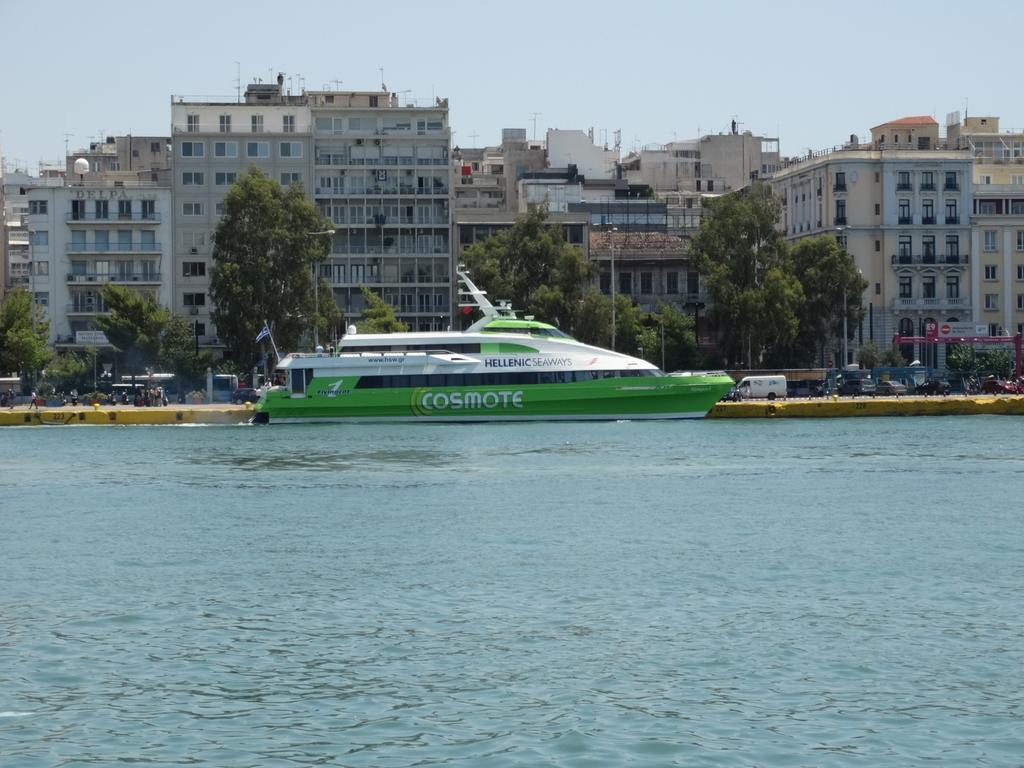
501,368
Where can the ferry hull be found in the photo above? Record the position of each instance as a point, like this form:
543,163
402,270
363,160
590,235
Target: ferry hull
663,397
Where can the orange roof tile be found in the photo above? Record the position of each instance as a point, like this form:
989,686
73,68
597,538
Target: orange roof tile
913,120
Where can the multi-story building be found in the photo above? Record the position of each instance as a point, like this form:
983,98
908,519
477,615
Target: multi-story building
487,178
900,205
382,175
15,254
997,221
376,169
92,233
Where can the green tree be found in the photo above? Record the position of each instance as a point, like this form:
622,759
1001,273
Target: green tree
868,355
134,326
998,361
594,318
676,327
744,260
827,274
329,316
265,248
179,355
962,358
892,357
23,348
68,371
533,267
378,316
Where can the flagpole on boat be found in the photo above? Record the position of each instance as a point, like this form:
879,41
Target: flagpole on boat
270,336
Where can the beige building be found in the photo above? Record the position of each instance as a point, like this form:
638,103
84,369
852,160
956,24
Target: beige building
487,178
997,221
900,204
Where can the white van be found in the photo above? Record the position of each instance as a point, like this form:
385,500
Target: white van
770,387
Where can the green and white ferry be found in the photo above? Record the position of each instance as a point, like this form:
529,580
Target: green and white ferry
501,368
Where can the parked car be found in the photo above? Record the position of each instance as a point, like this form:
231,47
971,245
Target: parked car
732,396
994,386
854,387
890,388
805,388
245,395
934,387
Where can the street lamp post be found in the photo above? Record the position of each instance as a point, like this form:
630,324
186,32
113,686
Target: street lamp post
316,292
612,242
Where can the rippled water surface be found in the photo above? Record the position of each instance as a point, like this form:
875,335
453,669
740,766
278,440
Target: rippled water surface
819,593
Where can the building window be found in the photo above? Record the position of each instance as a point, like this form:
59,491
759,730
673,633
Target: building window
878,246
37,207
191,209
1020,271
38,237
291,149
928,287
927,181
257,123
288,178
840,212
1020,239
952,286
225,123
257,149
102,209
951,216
192,123
904,249
625,280
154,146
990,240
1020,302
711,185
953,246
288,124
646,283
906,287
984,178
950,180
927,211
840,185
193,269
672,282
149,209
198,329
905,212
225,149
991,301
194,299
193,149
928,249
192,178
903,180
224,178
991,272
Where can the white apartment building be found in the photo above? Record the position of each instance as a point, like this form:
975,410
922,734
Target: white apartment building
378,170
901,207
92,233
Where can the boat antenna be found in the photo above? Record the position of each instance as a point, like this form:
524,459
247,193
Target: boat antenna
471,296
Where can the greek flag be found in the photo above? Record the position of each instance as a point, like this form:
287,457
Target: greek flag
264,333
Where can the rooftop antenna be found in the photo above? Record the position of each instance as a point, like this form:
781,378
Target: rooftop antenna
474,136
336,84
535,115
382,86
238,82
66,137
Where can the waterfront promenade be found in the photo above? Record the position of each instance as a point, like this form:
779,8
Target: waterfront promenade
821,407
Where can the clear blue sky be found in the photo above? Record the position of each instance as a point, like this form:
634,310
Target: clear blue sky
809,72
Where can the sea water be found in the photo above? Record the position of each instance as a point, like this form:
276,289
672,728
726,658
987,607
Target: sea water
749,593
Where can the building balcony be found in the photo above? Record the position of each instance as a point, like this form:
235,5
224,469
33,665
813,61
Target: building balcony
113,247
927,187
927,259
90,217
952,219
839,221
85,308
839,187
927,219
950,187
907,187
936,303
905,220
120,277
